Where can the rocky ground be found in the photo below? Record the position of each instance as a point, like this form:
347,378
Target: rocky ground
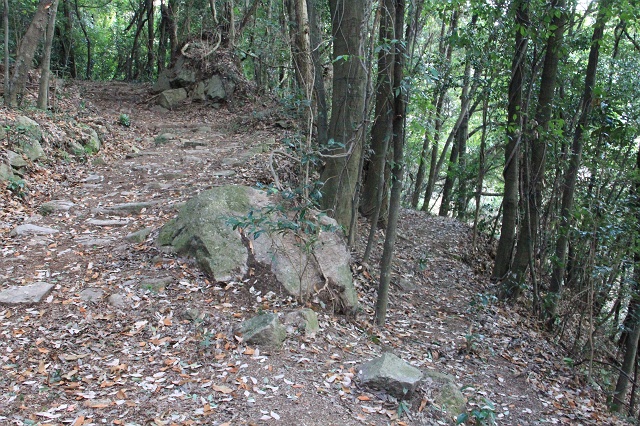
130,334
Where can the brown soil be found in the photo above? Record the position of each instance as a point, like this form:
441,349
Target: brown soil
168,356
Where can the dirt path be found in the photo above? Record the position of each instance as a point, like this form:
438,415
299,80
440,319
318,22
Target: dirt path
132,335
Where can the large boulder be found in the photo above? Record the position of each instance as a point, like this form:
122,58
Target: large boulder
317,267
89,138
28,127
201,230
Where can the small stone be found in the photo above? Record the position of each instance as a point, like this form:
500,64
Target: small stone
27,294
16,160
156,285
193,315
55,206
302,320
116,300
30,229
91,295
171,98
223,173
164,138
108,222
264,330
138,236
93,179
390,373
89,241
193,144
128,207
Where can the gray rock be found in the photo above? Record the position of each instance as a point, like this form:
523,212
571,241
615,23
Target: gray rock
391,374
303,320
193,315
223,173
138,236
194,144
201,230
16,160
183,76
32,149
55,206
162,83
263,330
445,393
164,138
93,179
158,109
91,294
116,300
108,222
156,285
169,99
127,208
6,172
28,127
89,241
405,285
27,294
214,89
30,229
89,138
76,148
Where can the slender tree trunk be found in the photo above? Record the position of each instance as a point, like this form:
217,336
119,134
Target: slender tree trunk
568,190
397,168
26,51
633,334
340,172
87,40
69,57
150,38
318,82
447,188
381,132
43,90
514,133
535,168
5,16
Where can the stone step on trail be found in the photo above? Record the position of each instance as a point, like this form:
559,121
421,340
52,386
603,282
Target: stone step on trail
26,294
30,229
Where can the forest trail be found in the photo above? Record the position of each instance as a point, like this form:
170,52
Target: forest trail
133,335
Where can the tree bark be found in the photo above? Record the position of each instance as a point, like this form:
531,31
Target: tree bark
535,168
318,82
89,68
26,51
381,132
150,38
342,158
43,90
514,133
633,329
5,18
397,168
575,157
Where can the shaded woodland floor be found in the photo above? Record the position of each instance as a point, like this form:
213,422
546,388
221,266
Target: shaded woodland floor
161,350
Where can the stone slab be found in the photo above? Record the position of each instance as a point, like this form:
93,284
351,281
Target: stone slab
30,229
27,294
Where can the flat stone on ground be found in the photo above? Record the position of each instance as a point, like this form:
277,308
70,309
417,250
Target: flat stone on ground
138,236
56,206
223,173
108,222
27,294
391,374
30,229
91,294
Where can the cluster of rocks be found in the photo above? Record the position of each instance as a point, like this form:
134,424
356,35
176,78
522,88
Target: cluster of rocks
186,80
25,138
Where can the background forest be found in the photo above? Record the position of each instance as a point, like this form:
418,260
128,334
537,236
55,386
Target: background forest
520,118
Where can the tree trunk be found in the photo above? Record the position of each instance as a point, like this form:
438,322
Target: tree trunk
26,51
318,82
150,38
535,169
89,68
5,16
69,56
342,158
633,329
568,190
397,168
514,133
43,90
381,132
447,188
